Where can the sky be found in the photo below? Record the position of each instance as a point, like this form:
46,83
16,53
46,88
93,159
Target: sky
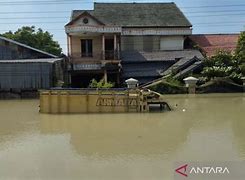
206,16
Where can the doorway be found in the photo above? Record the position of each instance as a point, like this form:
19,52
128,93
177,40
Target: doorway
109,49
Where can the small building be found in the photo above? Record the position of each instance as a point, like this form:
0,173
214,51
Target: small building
210,44
115,41
25,68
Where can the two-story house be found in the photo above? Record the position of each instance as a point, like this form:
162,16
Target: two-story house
115,41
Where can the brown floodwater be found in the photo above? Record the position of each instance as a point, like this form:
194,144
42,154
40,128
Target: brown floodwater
208,127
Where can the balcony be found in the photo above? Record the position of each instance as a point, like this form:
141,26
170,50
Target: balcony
95,61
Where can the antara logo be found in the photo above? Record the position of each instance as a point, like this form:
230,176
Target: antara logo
183,170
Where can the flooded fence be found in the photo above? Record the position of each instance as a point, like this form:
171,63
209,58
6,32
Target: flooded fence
57,101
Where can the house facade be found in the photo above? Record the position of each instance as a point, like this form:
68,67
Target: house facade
115,41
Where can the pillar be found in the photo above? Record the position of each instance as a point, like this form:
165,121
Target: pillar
115,46
69,41
132,83
243,80
191,84
103,47
105,76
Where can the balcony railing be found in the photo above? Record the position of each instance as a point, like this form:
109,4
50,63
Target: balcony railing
104,55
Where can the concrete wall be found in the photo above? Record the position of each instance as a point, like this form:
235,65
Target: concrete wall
89,101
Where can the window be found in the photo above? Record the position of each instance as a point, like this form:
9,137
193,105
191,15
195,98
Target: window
85,21
87,47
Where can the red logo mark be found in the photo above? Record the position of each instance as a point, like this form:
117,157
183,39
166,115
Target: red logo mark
182,170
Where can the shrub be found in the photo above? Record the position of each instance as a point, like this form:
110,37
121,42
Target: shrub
101,84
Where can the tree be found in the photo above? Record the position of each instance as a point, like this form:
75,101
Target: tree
35,38
240,50
223,64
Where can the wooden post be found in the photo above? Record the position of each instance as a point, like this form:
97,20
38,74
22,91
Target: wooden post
103,47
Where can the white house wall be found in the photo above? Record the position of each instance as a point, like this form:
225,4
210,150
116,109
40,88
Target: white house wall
172,43
152,43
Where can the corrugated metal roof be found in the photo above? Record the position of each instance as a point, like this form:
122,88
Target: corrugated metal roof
137,14
148,69
26,46
48,60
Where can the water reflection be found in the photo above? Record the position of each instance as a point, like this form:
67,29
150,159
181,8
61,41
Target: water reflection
113,134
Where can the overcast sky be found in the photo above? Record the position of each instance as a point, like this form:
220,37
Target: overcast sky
207,16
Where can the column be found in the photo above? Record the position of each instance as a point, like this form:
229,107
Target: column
69,45
115,46
103,47
118,47
191,84
243,80
105,75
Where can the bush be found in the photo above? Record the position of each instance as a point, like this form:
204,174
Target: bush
101,84
169,86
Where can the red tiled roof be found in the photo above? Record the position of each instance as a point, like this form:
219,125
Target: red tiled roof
211,43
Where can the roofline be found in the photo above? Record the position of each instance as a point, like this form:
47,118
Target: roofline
156,26
183,14
134,2
84,14
40,60
26,46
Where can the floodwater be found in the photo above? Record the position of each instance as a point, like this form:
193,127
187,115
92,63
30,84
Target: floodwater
208,127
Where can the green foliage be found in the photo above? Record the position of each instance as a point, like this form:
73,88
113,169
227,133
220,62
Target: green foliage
242,67
240,50
168,88
223,64
170,85
100,84
175,82
35,38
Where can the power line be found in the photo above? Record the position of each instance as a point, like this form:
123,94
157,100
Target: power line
17,3
66,17
88,2
55,12
34,12
57,22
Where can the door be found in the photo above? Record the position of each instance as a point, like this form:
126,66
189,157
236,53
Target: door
109,49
